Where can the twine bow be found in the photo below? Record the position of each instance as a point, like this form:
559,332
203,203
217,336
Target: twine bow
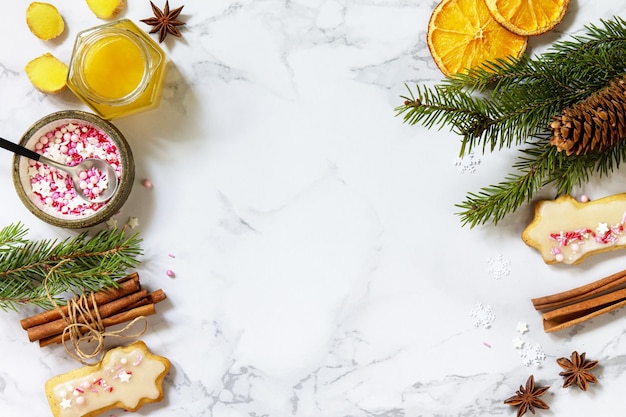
84,325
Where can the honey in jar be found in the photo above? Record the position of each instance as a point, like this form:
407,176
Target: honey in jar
117,69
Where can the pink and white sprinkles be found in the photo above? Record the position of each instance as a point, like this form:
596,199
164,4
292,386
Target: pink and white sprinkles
604,234
101,383
70,143
92,182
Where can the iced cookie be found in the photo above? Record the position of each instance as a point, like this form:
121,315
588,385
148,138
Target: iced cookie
127,377
565,230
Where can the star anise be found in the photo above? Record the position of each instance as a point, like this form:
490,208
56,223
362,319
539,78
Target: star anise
577,369
164,21
527,398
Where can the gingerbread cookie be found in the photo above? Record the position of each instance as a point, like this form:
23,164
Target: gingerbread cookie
127,377
567,231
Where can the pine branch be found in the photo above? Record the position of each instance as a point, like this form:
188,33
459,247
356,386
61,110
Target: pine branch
496,201
11,236
538,165
30,271
511,102
468,115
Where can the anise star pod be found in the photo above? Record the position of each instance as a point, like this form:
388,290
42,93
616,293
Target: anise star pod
527,397
577,370
164,21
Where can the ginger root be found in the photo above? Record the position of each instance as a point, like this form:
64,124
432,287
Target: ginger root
44,20
106,9
47,73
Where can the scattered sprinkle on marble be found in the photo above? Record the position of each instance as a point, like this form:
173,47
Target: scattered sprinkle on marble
170,273
486,344
133,222
532,354
498,266
467,164
482,315
112,223
518,343
171,255
522,327
147,184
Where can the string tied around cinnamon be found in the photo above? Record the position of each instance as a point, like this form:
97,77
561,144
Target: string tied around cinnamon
84,325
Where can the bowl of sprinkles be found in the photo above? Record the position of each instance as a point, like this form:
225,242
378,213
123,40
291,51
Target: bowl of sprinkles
70,137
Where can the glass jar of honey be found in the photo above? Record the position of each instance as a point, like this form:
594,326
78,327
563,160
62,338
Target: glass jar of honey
117,69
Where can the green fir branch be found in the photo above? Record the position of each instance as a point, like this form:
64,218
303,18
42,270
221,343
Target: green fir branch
468,115
538,165
496,201
32,272
11,236
511,102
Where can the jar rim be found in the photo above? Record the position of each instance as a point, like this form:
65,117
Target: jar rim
85,40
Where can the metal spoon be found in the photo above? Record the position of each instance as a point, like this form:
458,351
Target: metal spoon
99,164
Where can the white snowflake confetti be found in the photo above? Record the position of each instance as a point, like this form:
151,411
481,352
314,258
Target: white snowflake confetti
468,164
498,266
532,355
482,315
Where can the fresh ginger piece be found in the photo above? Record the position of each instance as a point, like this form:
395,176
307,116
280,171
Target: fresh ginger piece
106,9
44,20
47,73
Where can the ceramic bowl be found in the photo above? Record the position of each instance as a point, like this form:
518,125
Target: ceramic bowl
68,137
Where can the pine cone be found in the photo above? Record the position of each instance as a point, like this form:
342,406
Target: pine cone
594,124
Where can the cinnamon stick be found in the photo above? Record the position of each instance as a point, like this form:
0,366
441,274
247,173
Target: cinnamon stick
114,306
128,285
119,318
105,310
561,299
577,305
152,298
576,313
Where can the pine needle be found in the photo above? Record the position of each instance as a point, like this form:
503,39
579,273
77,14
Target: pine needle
31,271
510,103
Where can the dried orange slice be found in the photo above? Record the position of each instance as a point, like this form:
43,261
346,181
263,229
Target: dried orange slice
462,34
528,17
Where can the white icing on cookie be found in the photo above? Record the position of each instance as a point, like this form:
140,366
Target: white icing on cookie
565,230
126,378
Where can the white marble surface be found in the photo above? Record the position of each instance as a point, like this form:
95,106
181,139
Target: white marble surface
320,268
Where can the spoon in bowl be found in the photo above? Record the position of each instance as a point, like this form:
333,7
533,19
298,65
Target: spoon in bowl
84,166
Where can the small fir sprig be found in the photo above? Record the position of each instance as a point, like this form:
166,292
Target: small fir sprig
42,272
512,102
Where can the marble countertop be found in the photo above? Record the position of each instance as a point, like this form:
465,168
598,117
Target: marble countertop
320,268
